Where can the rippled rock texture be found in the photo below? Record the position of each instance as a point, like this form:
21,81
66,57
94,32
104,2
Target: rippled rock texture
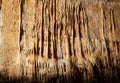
59,41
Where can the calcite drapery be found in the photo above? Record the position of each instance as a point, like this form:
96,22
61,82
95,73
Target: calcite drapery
60,40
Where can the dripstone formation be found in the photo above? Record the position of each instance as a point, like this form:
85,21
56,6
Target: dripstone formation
59,41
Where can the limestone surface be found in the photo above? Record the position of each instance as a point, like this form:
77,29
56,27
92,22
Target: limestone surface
59,41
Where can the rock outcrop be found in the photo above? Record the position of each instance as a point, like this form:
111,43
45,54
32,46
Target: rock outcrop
59,41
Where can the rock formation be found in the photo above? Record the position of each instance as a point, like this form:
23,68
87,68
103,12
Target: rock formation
59,41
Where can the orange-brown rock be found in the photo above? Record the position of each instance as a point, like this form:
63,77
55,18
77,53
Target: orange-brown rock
59,41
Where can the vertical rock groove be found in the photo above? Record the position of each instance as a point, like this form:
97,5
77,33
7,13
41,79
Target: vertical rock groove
59,41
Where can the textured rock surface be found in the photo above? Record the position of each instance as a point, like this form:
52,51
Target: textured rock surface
59,40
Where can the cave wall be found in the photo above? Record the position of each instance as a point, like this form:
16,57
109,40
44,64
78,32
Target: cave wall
42,39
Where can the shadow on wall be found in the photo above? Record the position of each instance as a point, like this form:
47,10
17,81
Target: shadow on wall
75,76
